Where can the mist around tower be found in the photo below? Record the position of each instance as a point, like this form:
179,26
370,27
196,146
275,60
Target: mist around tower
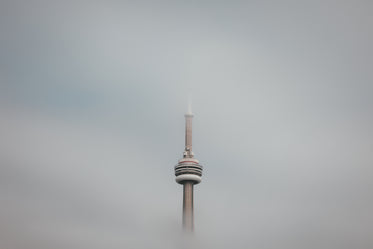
96,151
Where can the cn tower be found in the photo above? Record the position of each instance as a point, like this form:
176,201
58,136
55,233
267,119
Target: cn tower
188,172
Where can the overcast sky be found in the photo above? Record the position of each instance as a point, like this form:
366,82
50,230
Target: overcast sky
92,97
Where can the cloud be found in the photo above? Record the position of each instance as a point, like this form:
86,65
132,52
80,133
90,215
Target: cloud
92,124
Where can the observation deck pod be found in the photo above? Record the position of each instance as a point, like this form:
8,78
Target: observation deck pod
188,169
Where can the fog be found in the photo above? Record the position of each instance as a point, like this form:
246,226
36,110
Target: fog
92,97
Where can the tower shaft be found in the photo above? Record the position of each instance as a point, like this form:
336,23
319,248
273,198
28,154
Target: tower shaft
188,223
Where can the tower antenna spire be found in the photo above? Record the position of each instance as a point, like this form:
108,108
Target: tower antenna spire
189,107
188,133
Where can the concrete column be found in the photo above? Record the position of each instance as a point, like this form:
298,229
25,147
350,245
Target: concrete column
188,207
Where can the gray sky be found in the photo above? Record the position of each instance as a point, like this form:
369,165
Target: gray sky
92,97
